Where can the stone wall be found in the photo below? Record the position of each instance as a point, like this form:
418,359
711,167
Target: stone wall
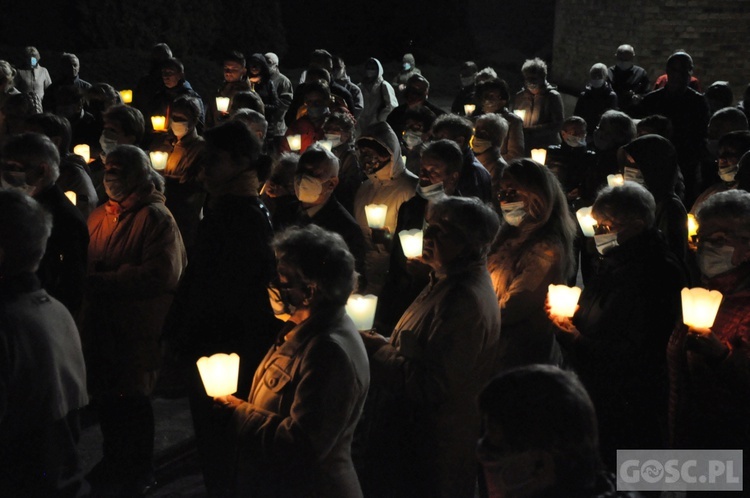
713,32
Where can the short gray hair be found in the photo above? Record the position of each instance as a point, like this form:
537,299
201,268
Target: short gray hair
626,203
621,126
599,69
317,154
732,204
251,116
34,149
25,227
496,126
476,222
535,66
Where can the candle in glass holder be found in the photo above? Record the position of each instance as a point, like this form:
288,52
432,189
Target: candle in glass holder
375,214
615,180
699,308
219,373
84,151
295,142
469,109
539,155
222,104
126,96
411,242
586,221
159,123
72,197
361,309
159,160
563,299
692,224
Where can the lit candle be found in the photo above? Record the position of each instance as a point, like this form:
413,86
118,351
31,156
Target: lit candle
361,309
539,155
326,144
563,299
615,180
295,142
84,151
469,109
586,221
411,242
375,214
222,104
126,96
699,308
159,160
692,226
520,113
159,123
219,373
71,196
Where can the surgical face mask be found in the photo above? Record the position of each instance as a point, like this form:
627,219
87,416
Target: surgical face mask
34,61
412,138
728,173
308,188
116,188
16,180
575,141
107,141
371,73
605,242
406,66
513,212
430,191
713,260
597,83
480,145
467,81
179,128
317,111
624,65
633,175
334,138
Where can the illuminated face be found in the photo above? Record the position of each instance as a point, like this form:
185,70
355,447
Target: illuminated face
492,101
371,160
170,77
433,171
233,71
512,191
443,243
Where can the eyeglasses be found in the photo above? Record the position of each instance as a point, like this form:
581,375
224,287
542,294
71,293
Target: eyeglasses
507,194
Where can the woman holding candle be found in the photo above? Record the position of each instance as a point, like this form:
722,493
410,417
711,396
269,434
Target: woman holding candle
617,338
493,97
294,432
533,250
709,396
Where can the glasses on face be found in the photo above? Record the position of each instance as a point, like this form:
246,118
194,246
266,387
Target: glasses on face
508,194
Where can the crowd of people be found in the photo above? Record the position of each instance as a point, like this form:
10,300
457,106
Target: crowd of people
253,233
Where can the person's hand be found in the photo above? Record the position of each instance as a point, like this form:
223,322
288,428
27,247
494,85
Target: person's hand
705,342
373,341
228,402
417,268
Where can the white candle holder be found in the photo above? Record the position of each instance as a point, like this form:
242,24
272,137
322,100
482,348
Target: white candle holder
699,307
159,123
159,160
521,113
615,180
72,197
563,299
361,309
586,221
126,96
539,155
375,214
222,104
411,242
219,373
84,151
469,109
295,142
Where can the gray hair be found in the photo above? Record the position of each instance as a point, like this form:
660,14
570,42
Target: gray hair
598,69
495,125
535,66
34,149
25,227
621,127
251,116
732,204
626,203
471,219
320,258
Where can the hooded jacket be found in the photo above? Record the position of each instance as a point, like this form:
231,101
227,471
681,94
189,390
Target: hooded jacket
379,100
392,185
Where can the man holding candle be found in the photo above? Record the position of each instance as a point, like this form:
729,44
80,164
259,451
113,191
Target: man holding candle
542,104
235,80
709,404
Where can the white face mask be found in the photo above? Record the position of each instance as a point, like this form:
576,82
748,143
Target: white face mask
633,175
727,174
334,138
116,187
513,212
430,191
575,141
605,242
34,62
107,142
412,138
16,180
714,261
597,83
479,145
308,189
179,128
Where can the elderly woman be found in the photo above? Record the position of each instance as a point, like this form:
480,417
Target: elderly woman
710,369
533,250
295,430
617,338
135,260
597,98
542,105
490,131
493,97
441,353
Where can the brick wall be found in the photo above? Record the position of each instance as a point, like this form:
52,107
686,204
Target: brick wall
714,32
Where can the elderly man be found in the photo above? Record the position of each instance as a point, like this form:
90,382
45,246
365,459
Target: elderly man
441,353
542,106
315,181
31,164
235,80
69,69
136,257
285,92
43,377
630,82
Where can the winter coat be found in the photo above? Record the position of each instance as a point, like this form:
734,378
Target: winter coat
474,180
295,432
592,103
628,83
543,119
135,260
74,177
42,387
379,100
229,90
285,92
440,356
392,185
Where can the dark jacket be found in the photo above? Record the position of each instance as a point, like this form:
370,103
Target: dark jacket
397,117
161,104
628,83
592,103
475,180
543,119
265,88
